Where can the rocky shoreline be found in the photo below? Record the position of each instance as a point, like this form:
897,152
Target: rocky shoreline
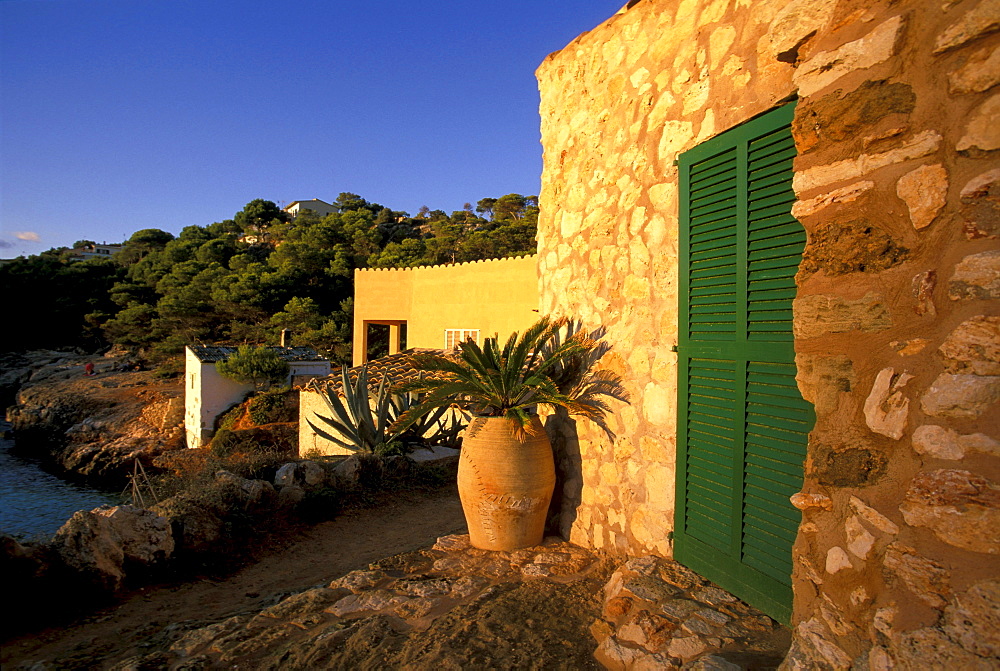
106,428
90,429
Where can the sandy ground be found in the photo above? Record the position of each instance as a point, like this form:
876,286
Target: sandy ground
321,553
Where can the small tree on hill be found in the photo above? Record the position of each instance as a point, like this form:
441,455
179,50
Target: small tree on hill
259,366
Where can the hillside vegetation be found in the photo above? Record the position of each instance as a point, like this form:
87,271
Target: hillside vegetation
246,278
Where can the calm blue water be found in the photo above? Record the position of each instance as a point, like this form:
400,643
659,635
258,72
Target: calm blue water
33,503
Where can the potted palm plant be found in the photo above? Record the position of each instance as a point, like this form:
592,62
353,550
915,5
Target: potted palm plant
506,471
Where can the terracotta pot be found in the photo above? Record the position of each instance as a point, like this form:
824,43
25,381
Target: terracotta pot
505,483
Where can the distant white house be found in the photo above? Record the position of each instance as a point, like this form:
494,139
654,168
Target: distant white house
322,208
95,251
207,394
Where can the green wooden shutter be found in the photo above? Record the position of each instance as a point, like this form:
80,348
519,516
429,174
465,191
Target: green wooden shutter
742,425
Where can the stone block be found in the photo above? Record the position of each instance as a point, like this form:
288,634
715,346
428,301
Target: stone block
859,539
909,347
922,144
973,347
977,276
811,501
925,192
834,617
647,630
980,209
853,247
982,19
822,379
290,496
649,588
913,649
845,194
941,443
960,507
852,465
842,117
937,442
794,24
886,408
961,396
687,647
813,649
711,663
929,581
837,560
980,73
922,286
973,619
818,315
872,516
826,67
983,130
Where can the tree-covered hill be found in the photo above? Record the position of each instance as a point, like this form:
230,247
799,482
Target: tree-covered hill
246,278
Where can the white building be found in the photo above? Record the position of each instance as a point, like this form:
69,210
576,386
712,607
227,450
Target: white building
102,250
207,394
322,208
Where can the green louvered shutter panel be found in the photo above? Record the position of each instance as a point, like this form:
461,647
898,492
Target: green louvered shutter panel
742,425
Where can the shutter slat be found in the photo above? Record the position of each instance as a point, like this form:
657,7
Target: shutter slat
743,425
785,228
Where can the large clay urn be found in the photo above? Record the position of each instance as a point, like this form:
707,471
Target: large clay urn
505,482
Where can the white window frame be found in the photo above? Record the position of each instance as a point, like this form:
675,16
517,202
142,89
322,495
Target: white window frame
452,337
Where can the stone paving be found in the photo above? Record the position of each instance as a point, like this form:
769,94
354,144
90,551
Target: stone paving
654,613
658,614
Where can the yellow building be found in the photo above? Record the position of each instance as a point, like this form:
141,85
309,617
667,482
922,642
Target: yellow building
440,306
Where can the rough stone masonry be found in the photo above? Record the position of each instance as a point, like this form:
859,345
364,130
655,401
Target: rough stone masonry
896,319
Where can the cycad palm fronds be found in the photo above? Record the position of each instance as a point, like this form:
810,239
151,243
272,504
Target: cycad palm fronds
536,367
575,373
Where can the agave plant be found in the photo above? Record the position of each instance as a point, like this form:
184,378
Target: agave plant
536,367
437,426
361,422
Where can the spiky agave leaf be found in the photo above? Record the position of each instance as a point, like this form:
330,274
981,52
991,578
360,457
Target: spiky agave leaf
365,428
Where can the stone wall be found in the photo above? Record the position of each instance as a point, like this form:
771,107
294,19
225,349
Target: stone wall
896,319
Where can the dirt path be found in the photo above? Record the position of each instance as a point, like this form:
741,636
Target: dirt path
324,552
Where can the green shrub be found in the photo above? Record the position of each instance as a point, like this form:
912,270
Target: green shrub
228,419
169,369
271,406
259,366
224,443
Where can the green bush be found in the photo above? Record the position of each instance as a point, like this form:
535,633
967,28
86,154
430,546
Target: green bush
228,419
169,369
271,406
224,443
259,366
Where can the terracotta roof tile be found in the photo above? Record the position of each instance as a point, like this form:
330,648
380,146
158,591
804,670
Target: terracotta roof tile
398,367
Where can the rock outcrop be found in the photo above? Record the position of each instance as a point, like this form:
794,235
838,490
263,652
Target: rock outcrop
108,541
92,428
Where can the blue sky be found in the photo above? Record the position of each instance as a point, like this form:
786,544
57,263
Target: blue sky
119,115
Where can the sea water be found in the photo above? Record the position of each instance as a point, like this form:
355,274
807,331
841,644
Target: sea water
33,503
